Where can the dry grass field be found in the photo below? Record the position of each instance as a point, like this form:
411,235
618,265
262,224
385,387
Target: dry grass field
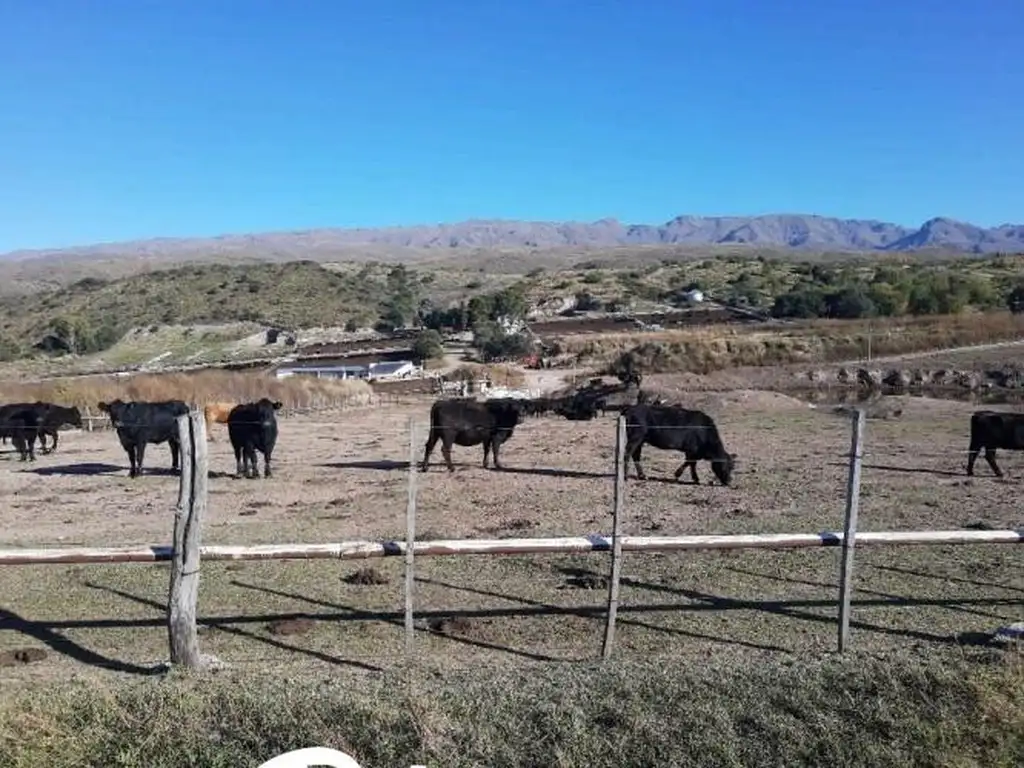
344,476
817,342
202,386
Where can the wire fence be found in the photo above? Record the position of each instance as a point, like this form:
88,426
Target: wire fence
474,601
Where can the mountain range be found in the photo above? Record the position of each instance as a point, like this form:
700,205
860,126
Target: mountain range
787,231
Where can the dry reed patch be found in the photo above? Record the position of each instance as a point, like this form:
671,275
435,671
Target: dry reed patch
715,348
203,386
500,375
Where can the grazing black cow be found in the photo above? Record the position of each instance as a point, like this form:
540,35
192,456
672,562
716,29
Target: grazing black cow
674,428
138,423
21,425
472,422
253,427
991,430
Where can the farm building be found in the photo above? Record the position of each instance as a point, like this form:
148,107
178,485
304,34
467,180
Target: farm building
399,369
326,371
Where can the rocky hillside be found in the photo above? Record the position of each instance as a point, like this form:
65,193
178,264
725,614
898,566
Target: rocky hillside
800,232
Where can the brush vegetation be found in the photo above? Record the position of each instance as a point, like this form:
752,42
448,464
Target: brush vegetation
857,712
717,348
93,314
297,392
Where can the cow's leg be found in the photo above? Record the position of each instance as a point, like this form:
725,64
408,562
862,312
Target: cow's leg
175,453
132,460
446,451
266,463
428,449
494,452
54,435
633,452
32,447
972,456
990,457
238,461
140,455
692,464
41,434
252,469
489,444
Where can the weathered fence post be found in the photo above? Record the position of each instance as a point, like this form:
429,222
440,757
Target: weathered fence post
410,536
188,526
613,584
850,528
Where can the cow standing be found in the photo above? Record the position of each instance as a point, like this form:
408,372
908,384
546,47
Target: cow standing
21,425
48,417
992,430
674,428
471,422
138,423
216,413
54,417
253,427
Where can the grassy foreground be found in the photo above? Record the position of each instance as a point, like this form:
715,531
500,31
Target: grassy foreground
198,387
860,711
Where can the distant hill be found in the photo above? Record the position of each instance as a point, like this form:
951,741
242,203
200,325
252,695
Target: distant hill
787,231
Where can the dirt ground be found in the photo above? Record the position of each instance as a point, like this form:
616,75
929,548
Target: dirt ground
344,477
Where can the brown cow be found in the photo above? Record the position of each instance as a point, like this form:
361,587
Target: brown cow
216,413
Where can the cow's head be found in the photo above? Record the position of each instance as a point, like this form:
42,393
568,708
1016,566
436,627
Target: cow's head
723,468
115,410
507,411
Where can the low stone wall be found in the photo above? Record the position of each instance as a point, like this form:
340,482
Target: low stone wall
906,379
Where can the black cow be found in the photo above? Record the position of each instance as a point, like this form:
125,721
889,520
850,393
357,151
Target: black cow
21,425
54,417
138,423
51,418
991,430
674,428
253,427
472,422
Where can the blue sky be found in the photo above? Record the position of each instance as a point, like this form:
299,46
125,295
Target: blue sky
125,119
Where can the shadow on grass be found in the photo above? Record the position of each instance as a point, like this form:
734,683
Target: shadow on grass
59,644
225,626
552,472
545,609
904,470
957,579
886,598
792,608
385,465
82,468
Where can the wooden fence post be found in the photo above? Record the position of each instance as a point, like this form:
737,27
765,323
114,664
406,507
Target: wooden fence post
410,537
613,584
188,526
850,528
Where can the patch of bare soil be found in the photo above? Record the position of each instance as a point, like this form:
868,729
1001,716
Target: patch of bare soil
344,477
17,656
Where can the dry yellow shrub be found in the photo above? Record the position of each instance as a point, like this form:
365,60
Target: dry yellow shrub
198,387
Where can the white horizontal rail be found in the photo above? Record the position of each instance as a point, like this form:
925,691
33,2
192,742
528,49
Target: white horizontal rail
358,550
